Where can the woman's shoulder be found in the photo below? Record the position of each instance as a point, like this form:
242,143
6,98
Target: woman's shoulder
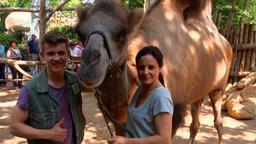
162,90
162,93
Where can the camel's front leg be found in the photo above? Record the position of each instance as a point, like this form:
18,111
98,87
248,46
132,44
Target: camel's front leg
216,100
195,111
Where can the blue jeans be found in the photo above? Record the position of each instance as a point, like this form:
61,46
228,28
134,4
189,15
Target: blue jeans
2,74
14,76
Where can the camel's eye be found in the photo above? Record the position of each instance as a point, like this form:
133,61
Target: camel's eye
122,35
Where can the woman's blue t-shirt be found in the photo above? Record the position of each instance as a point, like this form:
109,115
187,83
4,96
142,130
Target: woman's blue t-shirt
140,119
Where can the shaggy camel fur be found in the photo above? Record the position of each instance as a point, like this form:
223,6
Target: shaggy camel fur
196,57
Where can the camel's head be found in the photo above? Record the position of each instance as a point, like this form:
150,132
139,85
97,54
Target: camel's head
103,29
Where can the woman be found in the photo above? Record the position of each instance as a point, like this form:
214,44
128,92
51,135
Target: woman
14,53
151,109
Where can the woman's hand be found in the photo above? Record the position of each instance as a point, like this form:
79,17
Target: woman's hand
117,140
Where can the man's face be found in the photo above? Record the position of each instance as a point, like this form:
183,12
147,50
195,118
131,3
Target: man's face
55,57
33,37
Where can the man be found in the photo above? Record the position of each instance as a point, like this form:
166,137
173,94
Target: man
33,52
2,65
33,47
49,108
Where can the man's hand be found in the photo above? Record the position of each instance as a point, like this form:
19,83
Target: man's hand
58,133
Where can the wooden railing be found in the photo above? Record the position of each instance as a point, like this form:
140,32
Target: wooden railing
243,41
17,64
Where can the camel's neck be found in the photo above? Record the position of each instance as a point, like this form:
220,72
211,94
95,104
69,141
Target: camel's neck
199,9
163,18
207,9
179,5
169,10
116,83
174,5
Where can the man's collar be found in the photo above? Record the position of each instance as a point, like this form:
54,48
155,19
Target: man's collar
43,82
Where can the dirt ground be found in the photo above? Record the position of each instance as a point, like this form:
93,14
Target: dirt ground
235,131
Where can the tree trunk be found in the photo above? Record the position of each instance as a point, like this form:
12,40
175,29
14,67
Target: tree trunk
230,19
42,21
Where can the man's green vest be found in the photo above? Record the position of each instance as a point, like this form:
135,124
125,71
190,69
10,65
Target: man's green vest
44,111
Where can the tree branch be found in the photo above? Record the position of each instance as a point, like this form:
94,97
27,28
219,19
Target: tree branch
33,10
56,9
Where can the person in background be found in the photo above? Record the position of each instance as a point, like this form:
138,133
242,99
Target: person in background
49,107
75,50
79,45
14,53
151,108
2,65
33,46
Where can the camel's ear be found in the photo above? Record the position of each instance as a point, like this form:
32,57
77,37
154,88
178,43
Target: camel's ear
81,12
135,17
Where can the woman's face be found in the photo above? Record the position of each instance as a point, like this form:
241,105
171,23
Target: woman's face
14,44
148,70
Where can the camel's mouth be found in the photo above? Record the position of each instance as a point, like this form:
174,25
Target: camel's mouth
91,83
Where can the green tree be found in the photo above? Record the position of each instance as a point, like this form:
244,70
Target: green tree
134,3
225,8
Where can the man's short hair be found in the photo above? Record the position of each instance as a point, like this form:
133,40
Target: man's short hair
33,35
54,38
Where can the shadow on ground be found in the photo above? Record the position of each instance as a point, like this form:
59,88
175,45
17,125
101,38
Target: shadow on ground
235,131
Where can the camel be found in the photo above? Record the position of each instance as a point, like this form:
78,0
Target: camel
197,57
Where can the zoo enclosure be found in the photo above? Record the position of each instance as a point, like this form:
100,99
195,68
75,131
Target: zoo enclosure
243,41
38,64
242,38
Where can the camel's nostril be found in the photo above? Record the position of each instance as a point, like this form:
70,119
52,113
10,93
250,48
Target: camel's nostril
91,57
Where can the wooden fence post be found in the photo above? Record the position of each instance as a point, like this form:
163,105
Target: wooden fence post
253,63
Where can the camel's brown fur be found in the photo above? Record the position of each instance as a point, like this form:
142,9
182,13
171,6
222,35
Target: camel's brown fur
196,57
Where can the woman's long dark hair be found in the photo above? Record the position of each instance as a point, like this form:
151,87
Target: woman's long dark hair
156,53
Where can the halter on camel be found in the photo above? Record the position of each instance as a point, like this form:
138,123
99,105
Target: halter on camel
113,71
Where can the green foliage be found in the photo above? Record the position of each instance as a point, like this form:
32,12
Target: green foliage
134,3
17,33
68,30
24,50
225,8
5,39
71,3
2,21
4,3
15,3
64,23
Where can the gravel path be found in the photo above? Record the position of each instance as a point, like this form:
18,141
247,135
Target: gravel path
235,132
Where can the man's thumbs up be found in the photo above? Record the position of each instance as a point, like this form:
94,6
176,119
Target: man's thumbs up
58,133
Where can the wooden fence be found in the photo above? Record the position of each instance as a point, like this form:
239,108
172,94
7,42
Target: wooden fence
243,41
73,62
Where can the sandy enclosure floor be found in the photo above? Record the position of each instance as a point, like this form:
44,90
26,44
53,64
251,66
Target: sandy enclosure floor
235,131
